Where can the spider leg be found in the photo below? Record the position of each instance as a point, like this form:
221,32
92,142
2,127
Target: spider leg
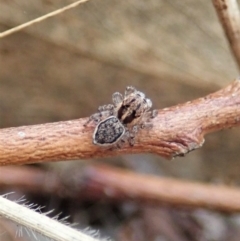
154,113
150,115
108,107
140,95
104,112
135,130
129,90
147,125
117,98
142,105
147,117
148,104
120,144
126,136
132,134
95,118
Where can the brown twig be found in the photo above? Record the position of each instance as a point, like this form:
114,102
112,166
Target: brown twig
40,19
117,184
229,17
30,179
176,131
99,181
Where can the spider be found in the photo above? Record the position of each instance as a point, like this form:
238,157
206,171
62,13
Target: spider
121,120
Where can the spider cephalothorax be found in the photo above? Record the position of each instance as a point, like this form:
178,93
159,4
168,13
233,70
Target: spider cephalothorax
121,120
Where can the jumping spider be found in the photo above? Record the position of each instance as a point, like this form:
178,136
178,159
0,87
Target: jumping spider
121,120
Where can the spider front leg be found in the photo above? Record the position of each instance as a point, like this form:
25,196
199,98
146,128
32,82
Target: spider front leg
104,112
108,107
129,90
95,118
117,98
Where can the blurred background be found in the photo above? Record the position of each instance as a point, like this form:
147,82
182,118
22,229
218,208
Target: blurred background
65,67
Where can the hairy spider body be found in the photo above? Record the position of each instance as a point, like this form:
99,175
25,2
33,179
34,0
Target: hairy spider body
122,120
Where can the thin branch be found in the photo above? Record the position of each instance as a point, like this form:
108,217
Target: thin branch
176,131
40,223
103,181
31,180
37,20
100,181
229,16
